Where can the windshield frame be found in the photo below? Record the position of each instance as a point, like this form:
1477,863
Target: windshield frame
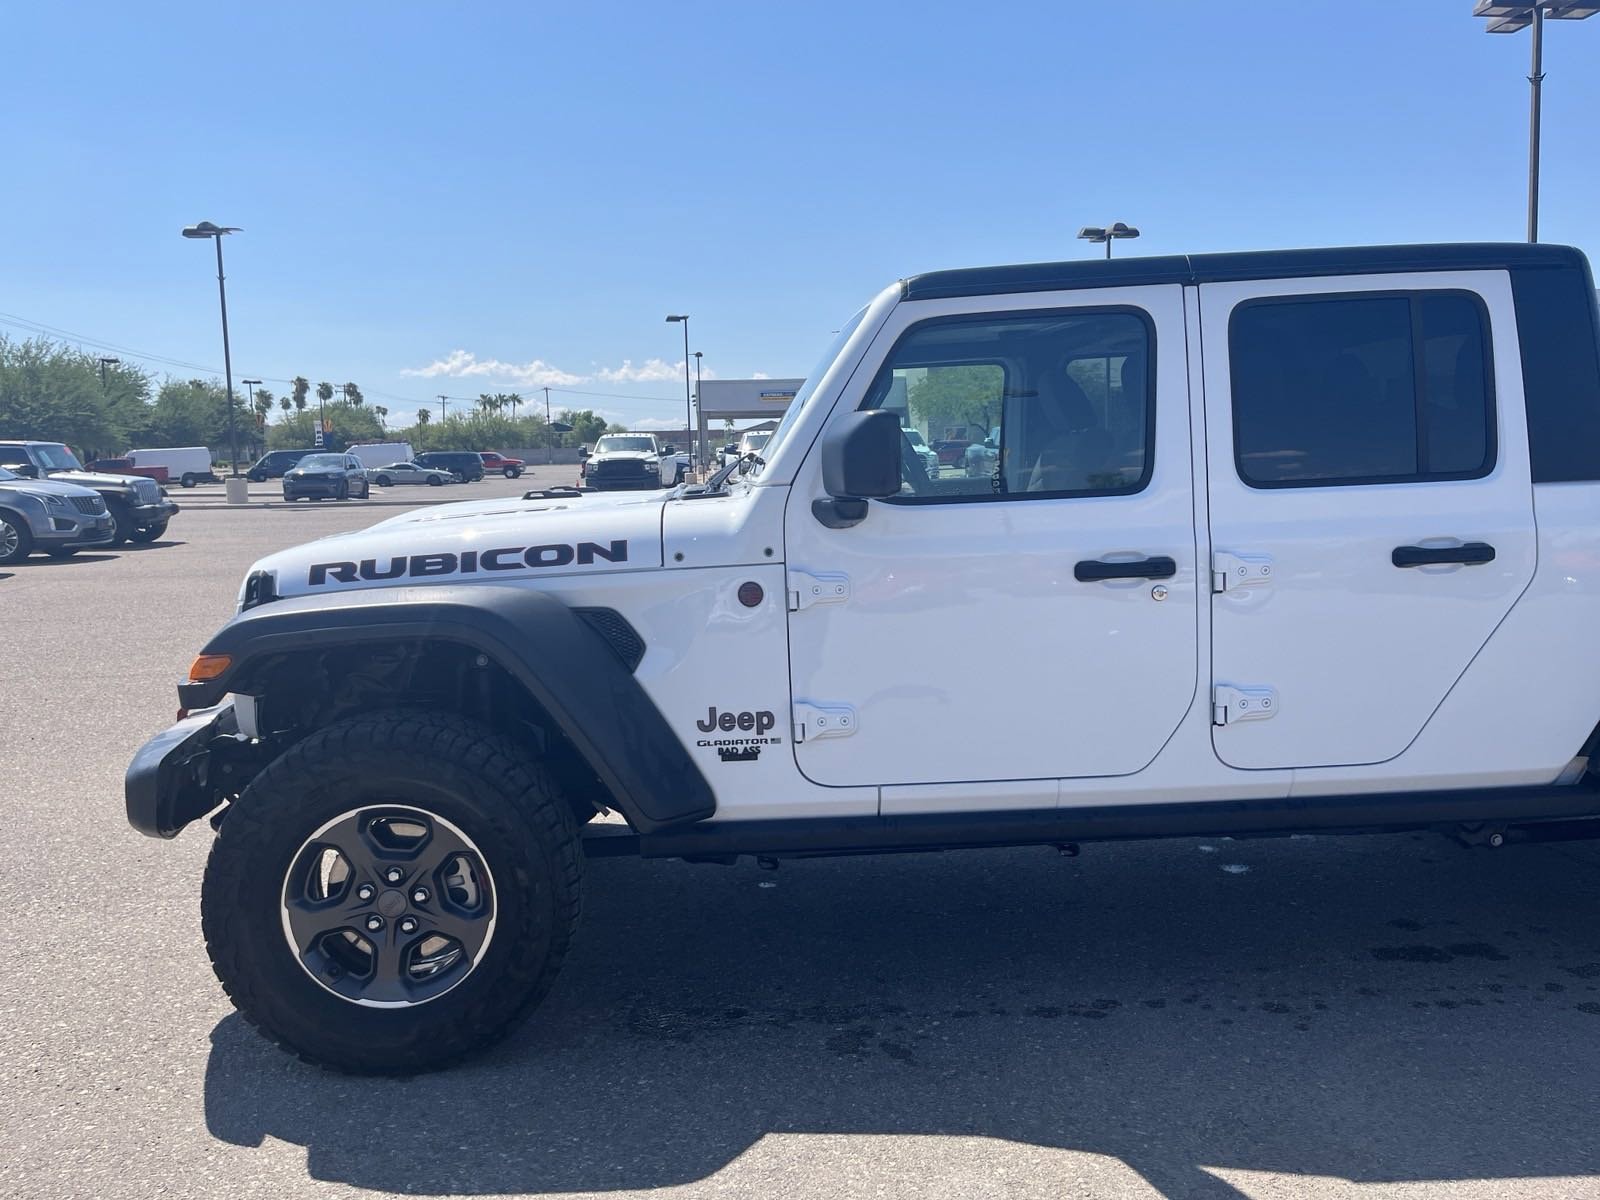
647,444
844,350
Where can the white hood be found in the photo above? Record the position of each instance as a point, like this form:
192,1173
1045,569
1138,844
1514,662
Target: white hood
502,540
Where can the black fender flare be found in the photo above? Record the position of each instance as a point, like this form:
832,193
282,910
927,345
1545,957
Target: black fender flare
564,663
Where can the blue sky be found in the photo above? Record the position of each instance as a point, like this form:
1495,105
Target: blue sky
444,186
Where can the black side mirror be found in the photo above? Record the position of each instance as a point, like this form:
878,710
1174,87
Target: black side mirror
26,470
860,461
583,452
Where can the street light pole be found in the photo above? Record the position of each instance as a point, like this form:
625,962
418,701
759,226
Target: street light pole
1107,234
1511,17
251,384
688,417
205,229
104,363
700,445
549,446
1535,80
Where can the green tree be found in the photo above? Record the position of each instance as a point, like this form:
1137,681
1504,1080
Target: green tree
379,411
286,403
324,392
302,387
423,416
946,396
54,392
353,394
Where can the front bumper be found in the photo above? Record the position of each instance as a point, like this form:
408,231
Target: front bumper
623,483
169,782
84,531
153,514
314,488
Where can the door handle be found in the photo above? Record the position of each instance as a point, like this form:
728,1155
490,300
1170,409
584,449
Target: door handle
1092,570
1426,556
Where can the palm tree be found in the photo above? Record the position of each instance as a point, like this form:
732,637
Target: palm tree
353,394
380,412
285,403
301,386
324,392
423,416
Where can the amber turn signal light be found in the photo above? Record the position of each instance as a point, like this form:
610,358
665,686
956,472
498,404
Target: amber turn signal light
208,666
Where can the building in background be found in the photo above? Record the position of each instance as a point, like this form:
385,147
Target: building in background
723,400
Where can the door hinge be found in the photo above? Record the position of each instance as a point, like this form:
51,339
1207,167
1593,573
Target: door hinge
806,589
1230,705
813,721
1230,572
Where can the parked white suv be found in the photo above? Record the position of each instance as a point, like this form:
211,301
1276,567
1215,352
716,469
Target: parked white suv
1271,542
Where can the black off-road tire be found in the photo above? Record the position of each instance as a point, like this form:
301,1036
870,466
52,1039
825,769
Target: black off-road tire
145,534
502,799
122,519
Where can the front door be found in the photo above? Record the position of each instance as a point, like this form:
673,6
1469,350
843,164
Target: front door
1370,506
1025,610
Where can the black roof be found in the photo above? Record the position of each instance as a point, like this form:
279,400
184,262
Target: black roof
1255,264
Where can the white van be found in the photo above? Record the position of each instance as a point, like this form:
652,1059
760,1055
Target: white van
187,465
381,454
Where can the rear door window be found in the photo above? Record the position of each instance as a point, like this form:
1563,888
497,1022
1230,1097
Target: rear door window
1370,388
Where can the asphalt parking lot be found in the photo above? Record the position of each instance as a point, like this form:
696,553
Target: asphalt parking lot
1385,1017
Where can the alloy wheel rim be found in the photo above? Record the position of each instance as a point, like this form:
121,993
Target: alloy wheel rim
10,539
388,906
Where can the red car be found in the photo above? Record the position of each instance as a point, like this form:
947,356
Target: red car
509,467
123,466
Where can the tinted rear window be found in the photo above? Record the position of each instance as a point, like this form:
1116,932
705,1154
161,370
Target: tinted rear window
1364,388
1557,328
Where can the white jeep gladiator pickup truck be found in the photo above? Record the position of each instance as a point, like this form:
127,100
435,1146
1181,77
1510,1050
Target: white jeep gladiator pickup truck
1289,541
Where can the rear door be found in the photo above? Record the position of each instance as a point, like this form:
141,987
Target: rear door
1370,506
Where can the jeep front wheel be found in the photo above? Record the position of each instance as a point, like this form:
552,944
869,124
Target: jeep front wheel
393,893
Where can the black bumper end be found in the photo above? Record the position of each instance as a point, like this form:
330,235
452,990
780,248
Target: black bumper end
168,783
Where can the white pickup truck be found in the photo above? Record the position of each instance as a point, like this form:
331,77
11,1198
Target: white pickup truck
1277,542
623,461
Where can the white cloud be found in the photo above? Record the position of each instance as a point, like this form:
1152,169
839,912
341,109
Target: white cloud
655,423
463,364
653,370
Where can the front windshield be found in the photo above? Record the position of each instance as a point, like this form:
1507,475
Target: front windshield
915,438
809,387
321,461
612,444
57,458
754,441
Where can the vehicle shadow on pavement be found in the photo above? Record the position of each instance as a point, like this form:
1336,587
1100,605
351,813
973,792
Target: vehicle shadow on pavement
43,560
1380,1009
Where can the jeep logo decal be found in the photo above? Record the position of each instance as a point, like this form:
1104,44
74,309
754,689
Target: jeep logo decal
728,722
738,749
468,562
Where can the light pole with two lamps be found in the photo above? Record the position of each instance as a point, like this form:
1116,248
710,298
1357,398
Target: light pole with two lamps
1513,18
1107,234
205,229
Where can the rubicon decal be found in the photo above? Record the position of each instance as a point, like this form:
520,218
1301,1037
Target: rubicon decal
468,562
738,749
